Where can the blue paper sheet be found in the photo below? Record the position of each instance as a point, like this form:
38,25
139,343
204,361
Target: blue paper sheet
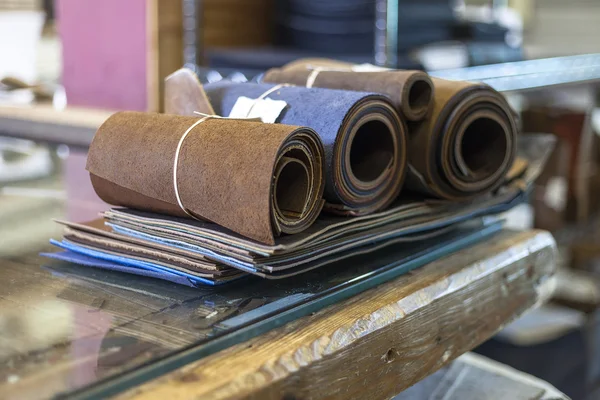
99,259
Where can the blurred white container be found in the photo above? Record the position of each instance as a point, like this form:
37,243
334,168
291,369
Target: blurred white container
20,33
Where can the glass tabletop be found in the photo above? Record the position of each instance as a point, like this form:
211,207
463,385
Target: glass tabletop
64,327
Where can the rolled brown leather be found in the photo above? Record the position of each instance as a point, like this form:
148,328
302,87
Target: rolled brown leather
411,92
468,144
258,180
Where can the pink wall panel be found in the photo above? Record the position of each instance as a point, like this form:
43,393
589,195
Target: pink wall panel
104,66
104,52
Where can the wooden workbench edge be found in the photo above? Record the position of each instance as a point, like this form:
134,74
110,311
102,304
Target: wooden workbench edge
384,340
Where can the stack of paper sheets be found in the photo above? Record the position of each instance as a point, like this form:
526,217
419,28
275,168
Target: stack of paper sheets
194,252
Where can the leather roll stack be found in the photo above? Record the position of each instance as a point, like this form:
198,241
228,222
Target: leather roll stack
255,179
411,92
463,146
365,139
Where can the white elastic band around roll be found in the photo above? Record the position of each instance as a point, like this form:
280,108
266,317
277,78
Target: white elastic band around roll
315,71
312,77
176,162
265,94
178,150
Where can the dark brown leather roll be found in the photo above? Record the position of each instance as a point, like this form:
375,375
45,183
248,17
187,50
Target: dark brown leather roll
258,180
468,144
411,92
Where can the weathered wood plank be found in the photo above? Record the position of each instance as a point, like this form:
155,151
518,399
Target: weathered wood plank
380,342
73,126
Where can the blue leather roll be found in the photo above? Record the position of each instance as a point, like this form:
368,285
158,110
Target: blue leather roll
365,140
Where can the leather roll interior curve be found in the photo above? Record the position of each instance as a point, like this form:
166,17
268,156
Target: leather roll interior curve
468,144
365,140
411,92
258,180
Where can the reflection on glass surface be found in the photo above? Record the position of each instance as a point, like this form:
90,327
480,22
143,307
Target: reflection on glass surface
31,193
63,326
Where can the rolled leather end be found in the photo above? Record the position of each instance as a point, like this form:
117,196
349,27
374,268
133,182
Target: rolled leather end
468,144
298,182
258,180
369,158
416,95
411,92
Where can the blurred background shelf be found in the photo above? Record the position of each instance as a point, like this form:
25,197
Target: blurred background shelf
74,126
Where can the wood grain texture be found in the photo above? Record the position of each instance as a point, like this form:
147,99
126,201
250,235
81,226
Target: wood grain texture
165,46
153,55
382,341
252,20
169,43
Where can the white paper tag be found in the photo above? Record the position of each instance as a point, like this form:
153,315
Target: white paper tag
267,110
